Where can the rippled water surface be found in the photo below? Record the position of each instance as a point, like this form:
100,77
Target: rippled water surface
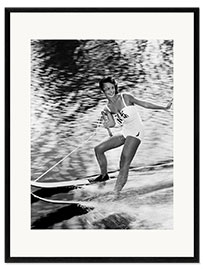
66,102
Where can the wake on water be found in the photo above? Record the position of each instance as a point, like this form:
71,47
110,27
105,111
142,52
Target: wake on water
146,202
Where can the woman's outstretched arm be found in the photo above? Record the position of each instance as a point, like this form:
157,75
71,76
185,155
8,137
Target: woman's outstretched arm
148,105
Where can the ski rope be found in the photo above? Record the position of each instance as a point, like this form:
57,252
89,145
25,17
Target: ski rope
74,150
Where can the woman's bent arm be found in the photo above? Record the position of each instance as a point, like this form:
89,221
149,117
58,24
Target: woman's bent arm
108,119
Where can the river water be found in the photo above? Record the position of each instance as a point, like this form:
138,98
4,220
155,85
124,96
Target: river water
66,104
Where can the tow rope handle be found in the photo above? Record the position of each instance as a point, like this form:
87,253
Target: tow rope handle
107,128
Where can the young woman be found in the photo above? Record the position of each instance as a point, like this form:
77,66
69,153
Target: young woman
121,109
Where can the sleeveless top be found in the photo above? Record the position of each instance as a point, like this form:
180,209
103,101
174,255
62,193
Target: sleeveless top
128,114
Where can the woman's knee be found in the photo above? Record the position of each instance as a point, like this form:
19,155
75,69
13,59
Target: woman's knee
99,149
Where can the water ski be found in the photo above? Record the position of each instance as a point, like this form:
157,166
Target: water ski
83,195
87,180
76,183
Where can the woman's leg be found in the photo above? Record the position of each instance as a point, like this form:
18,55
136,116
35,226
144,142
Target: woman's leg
129,149
100,149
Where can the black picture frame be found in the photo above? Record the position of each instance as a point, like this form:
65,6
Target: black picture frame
157,259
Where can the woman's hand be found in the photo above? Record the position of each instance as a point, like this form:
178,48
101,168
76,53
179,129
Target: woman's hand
168,106
106,122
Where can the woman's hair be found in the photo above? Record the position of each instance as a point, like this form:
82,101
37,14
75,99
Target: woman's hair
108,80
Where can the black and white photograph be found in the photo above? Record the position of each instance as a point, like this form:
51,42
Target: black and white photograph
102,134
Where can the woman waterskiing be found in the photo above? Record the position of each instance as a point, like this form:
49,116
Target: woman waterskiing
121,109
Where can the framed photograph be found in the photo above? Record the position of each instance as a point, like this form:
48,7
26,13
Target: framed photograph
102,135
